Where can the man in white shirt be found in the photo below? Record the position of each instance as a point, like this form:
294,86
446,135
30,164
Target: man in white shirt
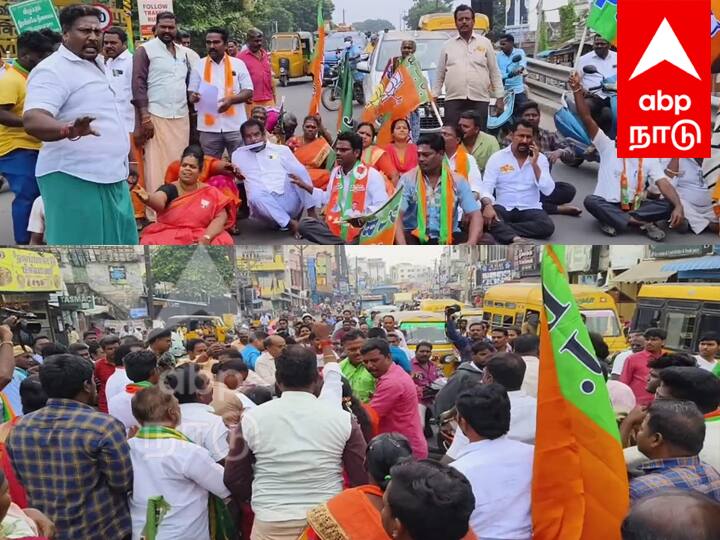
517,175
708,348
637,344
350,176
118,69
220,130
265,364
290,453
193,389
498,468
605,61
528,346
616,207
267,168
117,381
142,372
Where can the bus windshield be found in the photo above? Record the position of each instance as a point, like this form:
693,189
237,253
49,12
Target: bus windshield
602,321
434,332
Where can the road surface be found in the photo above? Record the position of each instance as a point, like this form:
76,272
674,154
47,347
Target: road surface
568,230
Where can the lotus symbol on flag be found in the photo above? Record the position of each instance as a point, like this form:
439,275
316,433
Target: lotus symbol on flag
392,88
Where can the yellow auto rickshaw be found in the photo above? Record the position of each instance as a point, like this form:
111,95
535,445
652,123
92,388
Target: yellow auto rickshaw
290,54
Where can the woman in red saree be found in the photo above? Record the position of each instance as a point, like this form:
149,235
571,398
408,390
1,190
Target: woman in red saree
376,157
189,211
354,514
313,150
402,151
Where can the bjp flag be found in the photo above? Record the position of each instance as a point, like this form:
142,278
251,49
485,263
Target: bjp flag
316,66
579,486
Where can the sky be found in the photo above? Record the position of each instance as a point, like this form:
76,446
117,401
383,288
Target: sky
421,255
359,10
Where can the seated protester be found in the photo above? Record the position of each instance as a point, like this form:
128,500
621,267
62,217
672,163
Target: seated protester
117,381
427,501
686,176
479,144
193,389
432,196
17,521
354,190
461,162
167,464
314,150
672,435
617,202
267,168
373,155
554,147
517,176
188,211
673,513
142,371
499,468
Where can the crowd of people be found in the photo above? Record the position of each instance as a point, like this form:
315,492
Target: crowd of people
329,425
170,162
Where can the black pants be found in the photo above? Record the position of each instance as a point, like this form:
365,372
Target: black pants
609,213
601,112
318,232
455,107
563,193
526,223
458,238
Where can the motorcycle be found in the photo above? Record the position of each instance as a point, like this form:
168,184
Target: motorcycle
332,93
513,69
569,125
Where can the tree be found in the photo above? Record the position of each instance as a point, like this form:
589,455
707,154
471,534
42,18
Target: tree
195,271
541,40
568,19
373,25
425,7
288,15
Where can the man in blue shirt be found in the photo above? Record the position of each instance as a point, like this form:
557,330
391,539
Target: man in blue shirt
432,171
252,351
512,72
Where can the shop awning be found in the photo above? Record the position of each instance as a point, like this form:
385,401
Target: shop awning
645,272
699,263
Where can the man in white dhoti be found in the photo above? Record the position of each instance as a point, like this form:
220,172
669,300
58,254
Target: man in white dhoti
272,197
692,186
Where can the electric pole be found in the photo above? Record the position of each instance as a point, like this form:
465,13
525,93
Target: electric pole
149,284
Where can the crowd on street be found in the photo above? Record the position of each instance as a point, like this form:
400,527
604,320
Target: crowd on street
328,425
162,146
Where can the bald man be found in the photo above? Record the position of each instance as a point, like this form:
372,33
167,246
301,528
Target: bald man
265,365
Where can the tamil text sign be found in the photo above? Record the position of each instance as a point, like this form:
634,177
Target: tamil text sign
28,271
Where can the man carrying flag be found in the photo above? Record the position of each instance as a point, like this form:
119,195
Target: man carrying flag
580,487
354,190
316,66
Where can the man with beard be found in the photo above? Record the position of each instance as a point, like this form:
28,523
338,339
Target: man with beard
82,167
267,168
220,131
518,175
257,60
160,71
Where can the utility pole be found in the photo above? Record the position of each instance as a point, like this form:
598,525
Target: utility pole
149,284
540,25
302,268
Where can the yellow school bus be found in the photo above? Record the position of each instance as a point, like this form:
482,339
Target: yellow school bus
427,326
685,310
512,303
445,22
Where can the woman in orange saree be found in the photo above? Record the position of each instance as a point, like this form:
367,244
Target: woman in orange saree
376,157
189,211
313,150
354,514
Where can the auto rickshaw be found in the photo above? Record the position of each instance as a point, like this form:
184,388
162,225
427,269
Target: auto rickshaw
290,54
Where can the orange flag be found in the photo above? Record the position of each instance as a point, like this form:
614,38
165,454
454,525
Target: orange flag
317,63
580,487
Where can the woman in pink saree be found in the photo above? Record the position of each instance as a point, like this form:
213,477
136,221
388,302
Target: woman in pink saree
189,211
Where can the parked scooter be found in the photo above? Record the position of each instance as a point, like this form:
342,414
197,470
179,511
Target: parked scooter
513,69
569,125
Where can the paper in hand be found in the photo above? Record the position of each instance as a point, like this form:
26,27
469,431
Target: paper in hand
209,95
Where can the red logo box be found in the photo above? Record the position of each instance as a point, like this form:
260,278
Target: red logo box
664,79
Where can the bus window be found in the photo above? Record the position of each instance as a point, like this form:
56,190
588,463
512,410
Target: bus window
519,318
680,329
646,317
497,320
708,323
486,315
602,321
508,320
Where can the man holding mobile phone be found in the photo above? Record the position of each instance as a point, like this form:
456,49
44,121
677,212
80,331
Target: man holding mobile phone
517,175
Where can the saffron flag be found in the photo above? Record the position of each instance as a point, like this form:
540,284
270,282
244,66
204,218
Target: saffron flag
402,92
345,113
316,66
580,486
379,228
603,19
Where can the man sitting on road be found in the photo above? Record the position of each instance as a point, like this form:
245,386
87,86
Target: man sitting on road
517,175
618,201
432,196
480,144
272,197
461,161
354,190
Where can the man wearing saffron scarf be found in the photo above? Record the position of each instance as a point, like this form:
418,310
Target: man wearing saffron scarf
354,190
141,368
220,131
432,196
618,202
461,161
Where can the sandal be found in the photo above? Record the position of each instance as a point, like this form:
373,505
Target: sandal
609,230
653,232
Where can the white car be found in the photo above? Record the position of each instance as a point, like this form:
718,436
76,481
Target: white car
428,45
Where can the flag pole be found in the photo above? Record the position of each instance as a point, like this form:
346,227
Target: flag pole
583,38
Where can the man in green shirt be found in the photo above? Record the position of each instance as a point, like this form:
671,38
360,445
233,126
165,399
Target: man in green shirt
478,143
353,368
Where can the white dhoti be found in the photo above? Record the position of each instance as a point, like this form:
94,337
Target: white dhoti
277,209
698,208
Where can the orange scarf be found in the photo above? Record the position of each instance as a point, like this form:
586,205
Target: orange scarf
627,203
462,165
207,77
447,206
